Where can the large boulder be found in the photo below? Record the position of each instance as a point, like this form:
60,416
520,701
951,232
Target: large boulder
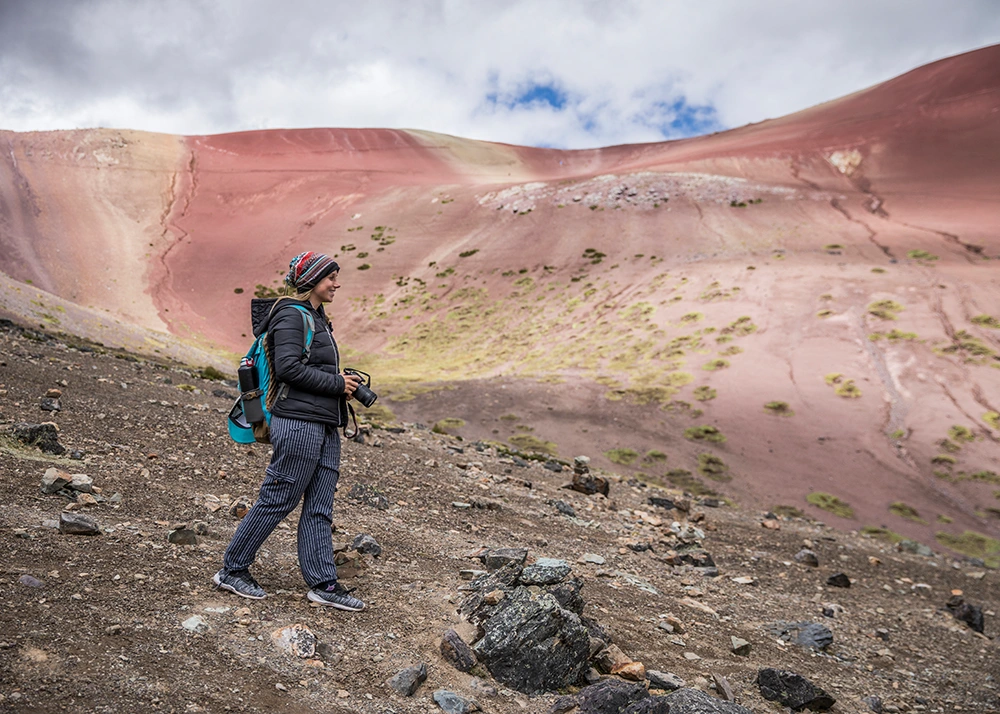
532,644
792,690
609,696
45,436
695,701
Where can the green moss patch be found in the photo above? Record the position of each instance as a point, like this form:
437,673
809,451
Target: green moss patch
905,511
686,481
993,419
831,504
623,457
704,393
961,433
986,321
654,457
974,545
920,255
532,444
779,408
447,425
885,309
713,467
704,433
847,389
882,534
788,511
715,365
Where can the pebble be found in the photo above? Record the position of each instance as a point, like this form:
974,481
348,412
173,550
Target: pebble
592,558
739,646
195,623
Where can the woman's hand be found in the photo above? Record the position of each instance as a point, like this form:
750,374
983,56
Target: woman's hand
351,382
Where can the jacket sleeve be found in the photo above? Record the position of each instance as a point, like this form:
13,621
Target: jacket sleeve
287,331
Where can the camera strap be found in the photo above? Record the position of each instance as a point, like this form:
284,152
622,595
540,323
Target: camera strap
354,418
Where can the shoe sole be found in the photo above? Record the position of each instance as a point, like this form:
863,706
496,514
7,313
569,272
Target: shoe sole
320,601
219,584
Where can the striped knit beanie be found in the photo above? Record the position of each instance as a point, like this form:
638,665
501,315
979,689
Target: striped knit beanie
307,269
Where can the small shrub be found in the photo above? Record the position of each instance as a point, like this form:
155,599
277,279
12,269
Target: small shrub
902,510
713,467
950,446
833,246
878,270
920,255
211,373
467,253
944,519
686,481
898,434
238,291
882,534
187,387
704,433
364,266
447,425
961,433
692,317
788,512
986,321
509,417
830,504
732,350
623,457
847,389
824,313
654,457
993,419
974,545
779,408
531,443
944,460
716,364
704,393
833,378
986,477
885,309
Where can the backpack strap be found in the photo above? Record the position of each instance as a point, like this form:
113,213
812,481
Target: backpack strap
308,332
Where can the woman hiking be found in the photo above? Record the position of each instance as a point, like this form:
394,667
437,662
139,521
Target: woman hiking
311,405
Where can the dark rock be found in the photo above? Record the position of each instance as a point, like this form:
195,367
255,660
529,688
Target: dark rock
564,508
44,436
456,652
912,546
838,580
49,404
78,524
183,536
792,690
406,681
55,480
740,646
972,615
545,571
240,507
649,705
695,556
609,695
369,496
475,608
711,502
496,558
807,557
640,547
553,466
722,687
532,644
590,484
874,704
223,394
364,543
568,595
452,703
76,455
667,681
662,502
695,701
805,634
518,461
31,581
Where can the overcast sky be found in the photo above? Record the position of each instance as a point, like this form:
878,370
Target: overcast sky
539,72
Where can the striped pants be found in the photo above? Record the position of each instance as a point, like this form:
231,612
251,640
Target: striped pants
305,465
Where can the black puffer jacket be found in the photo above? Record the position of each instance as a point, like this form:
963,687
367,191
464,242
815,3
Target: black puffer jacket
310,390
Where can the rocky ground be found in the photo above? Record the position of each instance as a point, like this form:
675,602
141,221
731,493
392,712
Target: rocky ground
127,619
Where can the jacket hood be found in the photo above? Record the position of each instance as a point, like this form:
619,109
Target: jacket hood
262,310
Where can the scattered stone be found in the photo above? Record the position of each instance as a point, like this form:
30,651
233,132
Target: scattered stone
182,536
792,690
691,657
406,681
581,464
50,404
496,558
195,623
609,695
54,480
874,704
592,558
723,688
771,524
661,502
78,524
564,508
667,681
452,703
553,466
297,640
470,574
364,543
45,436
805,634
695,701
590,484
545,571
807,557
972,615
456,652
368,495
82,483
740,646
53,393
838,580
632,671
31,581
611,658
239,507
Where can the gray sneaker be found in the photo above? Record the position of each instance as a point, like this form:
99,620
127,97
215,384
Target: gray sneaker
337,596
240,582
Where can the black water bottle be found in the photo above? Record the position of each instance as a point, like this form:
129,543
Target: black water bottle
250,398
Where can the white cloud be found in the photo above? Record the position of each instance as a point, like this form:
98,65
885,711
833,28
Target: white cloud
189,67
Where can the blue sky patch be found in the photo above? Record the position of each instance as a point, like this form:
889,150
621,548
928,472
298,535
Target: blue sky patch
680,119
531,95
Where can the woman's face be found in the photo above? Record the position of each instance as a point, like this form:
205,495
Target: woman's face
326,287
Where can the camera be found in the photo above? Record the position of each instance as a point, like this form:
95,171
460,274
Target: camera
363,393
